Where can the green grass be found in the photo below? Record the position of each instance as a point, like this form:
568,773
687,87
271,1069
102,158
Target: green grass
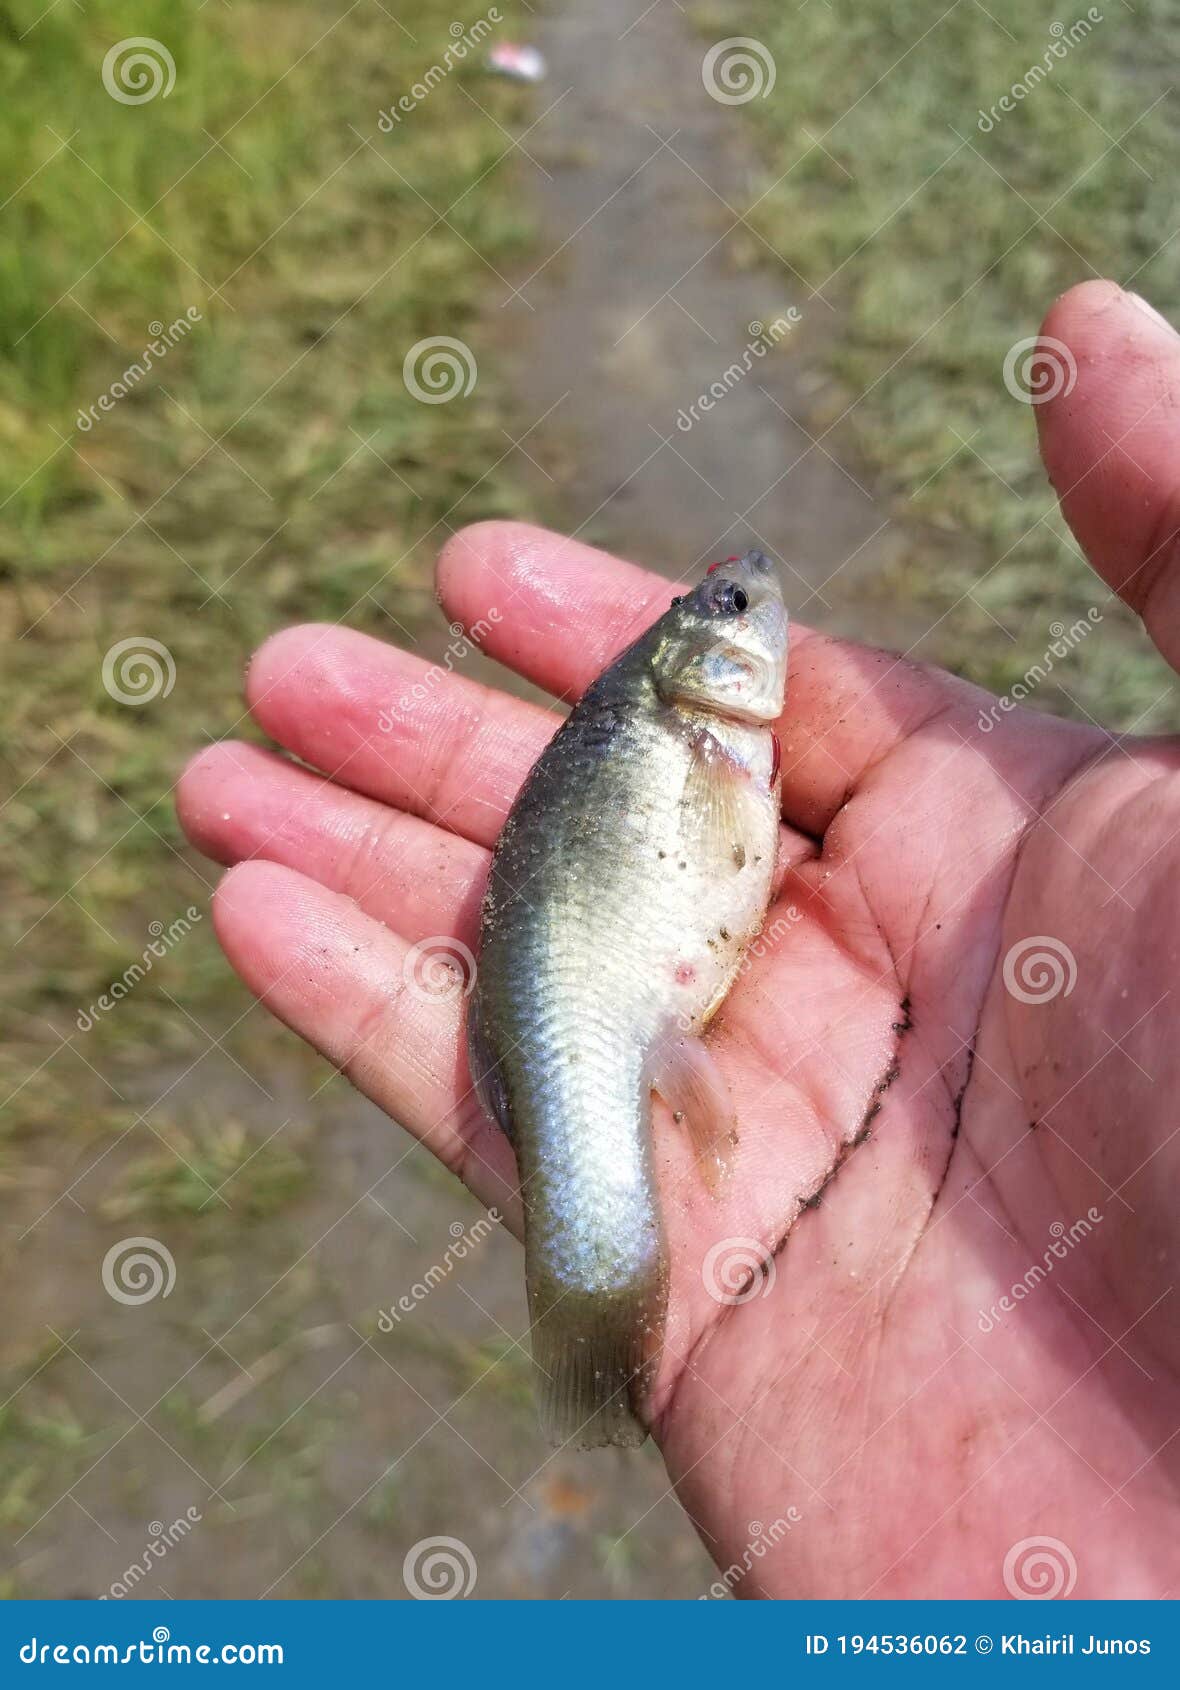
272,466
940,246
183,1175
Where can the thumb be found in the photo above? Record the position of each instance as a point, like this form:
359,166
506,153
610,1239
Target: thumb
1110,439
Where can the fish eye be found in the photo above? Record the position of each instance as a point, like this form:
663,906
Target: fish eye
729,599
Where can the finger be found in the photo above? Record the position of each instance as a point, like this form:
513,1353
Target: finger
359,994
563,610
456,756
1110,438
385,723
236,802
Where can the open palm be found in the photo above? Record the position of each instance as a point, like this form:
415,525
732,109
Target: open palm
930,1317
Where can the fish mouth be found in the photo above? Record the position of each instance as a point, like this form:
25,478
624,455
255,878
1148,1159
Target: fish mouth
766,571
753,560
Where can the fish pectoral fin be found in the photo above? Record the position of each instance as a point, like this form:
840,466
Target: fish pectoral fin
715,801
685,1075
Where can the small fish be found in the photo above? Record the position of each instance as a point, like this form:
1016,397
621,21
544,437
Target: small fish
632,872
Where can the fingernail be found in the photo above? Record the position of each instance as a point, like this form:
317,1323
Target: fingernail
1150,311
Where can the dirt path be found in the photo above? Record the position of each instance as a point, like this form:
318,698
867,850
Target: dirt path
646,290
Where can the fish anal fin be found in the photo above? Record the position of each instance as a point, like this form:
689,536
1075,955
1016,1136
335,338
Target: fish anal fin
684,1073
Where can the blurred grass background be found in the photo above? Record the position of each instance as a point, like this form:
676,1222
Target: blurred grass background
272,468
940,244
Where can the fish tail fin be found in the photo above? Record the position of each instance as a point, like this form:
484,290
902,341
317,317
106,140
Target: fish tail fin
594,1355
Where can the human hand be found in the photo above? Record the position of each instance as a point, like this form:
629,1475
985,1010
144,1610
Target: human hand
953,1127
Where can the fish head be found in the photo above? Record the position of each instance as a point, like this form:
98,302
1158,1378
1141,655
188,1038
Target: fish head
723,647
